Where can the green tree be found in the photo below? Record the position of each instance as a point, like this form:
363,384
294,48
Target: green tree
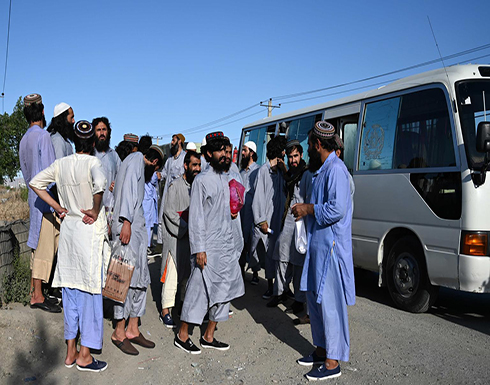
12,128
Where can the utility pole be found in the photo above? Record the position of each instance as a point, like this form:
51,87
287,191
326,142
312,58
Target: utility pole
157,138
270,107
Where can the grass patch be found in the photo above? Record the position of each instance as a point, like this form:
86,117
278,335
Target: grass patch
16,284
13,204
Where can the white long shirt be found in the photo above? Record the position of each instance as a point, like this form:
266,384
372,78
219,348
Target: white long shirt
83,251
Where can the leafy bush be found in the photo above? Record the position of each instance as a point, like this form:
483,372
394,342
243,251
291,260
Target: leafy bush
16,284
24,193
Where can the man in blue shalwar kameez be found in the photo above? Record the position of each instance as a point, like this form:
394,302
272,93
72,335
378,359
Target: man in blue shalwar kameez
328,273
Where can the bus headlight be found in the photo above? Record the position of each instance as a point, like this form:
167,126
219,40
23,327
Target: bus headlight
474,243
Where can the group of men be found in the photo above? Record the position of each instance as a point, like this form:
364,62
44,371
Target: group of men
206,244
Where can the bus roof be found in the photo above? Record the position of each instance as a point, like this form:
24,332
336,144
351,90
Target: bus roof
454,73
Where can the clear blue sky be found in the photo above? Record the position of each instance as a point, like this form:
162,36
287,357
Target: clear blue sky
166,66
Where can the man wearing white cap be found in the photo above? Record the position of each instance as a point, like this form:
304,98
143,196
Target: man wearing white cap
61,130
204,161
191,146
248,172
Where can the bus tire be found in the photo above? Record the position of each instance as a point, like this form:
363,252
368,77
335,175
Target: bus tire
407,278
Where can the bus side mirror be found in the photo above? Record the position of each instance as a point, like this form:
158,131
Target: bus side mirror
483,137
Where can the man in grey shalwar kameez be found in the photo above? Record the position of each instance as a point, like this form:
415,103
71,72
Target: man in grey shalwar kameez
109,159
288,261
61,130
129,226
176,250
232,171
267,208
248,173
173,169
215,273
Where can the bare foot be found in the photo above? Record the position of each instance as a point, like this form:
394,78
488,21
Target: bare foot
118,336
71,358
84,361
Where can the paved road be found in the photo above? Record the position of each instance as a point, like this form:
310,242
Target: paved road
448,345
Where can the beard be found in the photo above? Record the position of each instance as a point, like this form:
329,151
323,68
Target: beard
174,149
244,162
315,160
190,175
219,165
102,145
149,170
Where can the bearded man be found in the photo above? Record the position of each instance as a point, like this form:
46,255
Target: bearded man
248,173
176,264
61,130
288,261
108,157
129,225
215,277
173,169
328,272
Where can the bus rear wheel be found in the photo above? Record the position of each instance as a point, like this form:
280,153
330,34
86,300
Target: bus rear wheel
407,278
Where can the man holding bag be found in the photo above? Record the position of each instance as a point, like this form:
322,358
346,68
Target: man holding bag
129,226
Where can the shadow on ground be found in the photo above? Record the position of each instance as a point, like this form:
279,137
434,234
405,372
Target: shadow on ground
274,320
471,310
34,365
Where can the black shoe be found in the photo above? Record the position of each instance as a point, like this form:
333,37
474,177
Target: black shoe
302,320
276,300
46,306
267,294
295,308
213,345
255,280
186,346
288,293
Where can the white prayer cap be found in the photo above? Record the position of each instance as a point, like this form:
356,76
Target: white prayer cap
203,143
60,108
191,146
251,145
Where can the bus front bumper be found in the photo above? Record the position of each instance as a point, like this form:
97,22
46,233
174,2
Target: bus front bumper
474,273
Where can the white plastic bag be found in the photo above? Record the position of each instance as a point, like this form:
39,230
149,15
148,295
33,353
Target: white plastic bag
300,240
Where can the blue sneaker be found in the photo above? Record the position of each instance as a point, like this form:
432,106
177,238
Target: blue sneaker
168,321
312,359
95,366
322,373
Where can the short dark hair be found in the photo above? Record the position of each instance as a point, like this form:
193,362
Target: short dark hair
216,144
275,147
153,154
328,144
254,155
298,147
84,145
104,120
34,112
124,148
189,155
144,144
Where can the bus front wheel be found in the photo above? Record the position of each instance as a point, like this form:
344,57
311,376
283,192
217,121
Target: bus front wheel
407,278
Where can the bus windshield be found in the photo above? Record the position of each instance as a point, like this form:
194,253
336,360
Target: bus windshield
474,103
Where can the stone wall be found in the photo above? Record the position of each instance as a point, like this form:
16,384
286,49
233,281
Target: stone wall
13,239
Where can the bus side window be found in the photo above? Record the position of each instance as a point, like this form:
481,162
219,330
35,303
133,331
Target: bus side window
349,138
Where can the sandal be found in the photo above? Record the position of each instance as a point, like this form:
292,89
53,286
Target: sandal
125,347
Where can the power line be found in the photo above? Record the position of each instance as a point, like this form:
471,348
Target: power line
212,124
191,130
458,54
6,56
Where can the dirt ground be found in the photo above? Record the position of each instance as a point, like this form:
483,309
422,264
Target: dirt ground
448,345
